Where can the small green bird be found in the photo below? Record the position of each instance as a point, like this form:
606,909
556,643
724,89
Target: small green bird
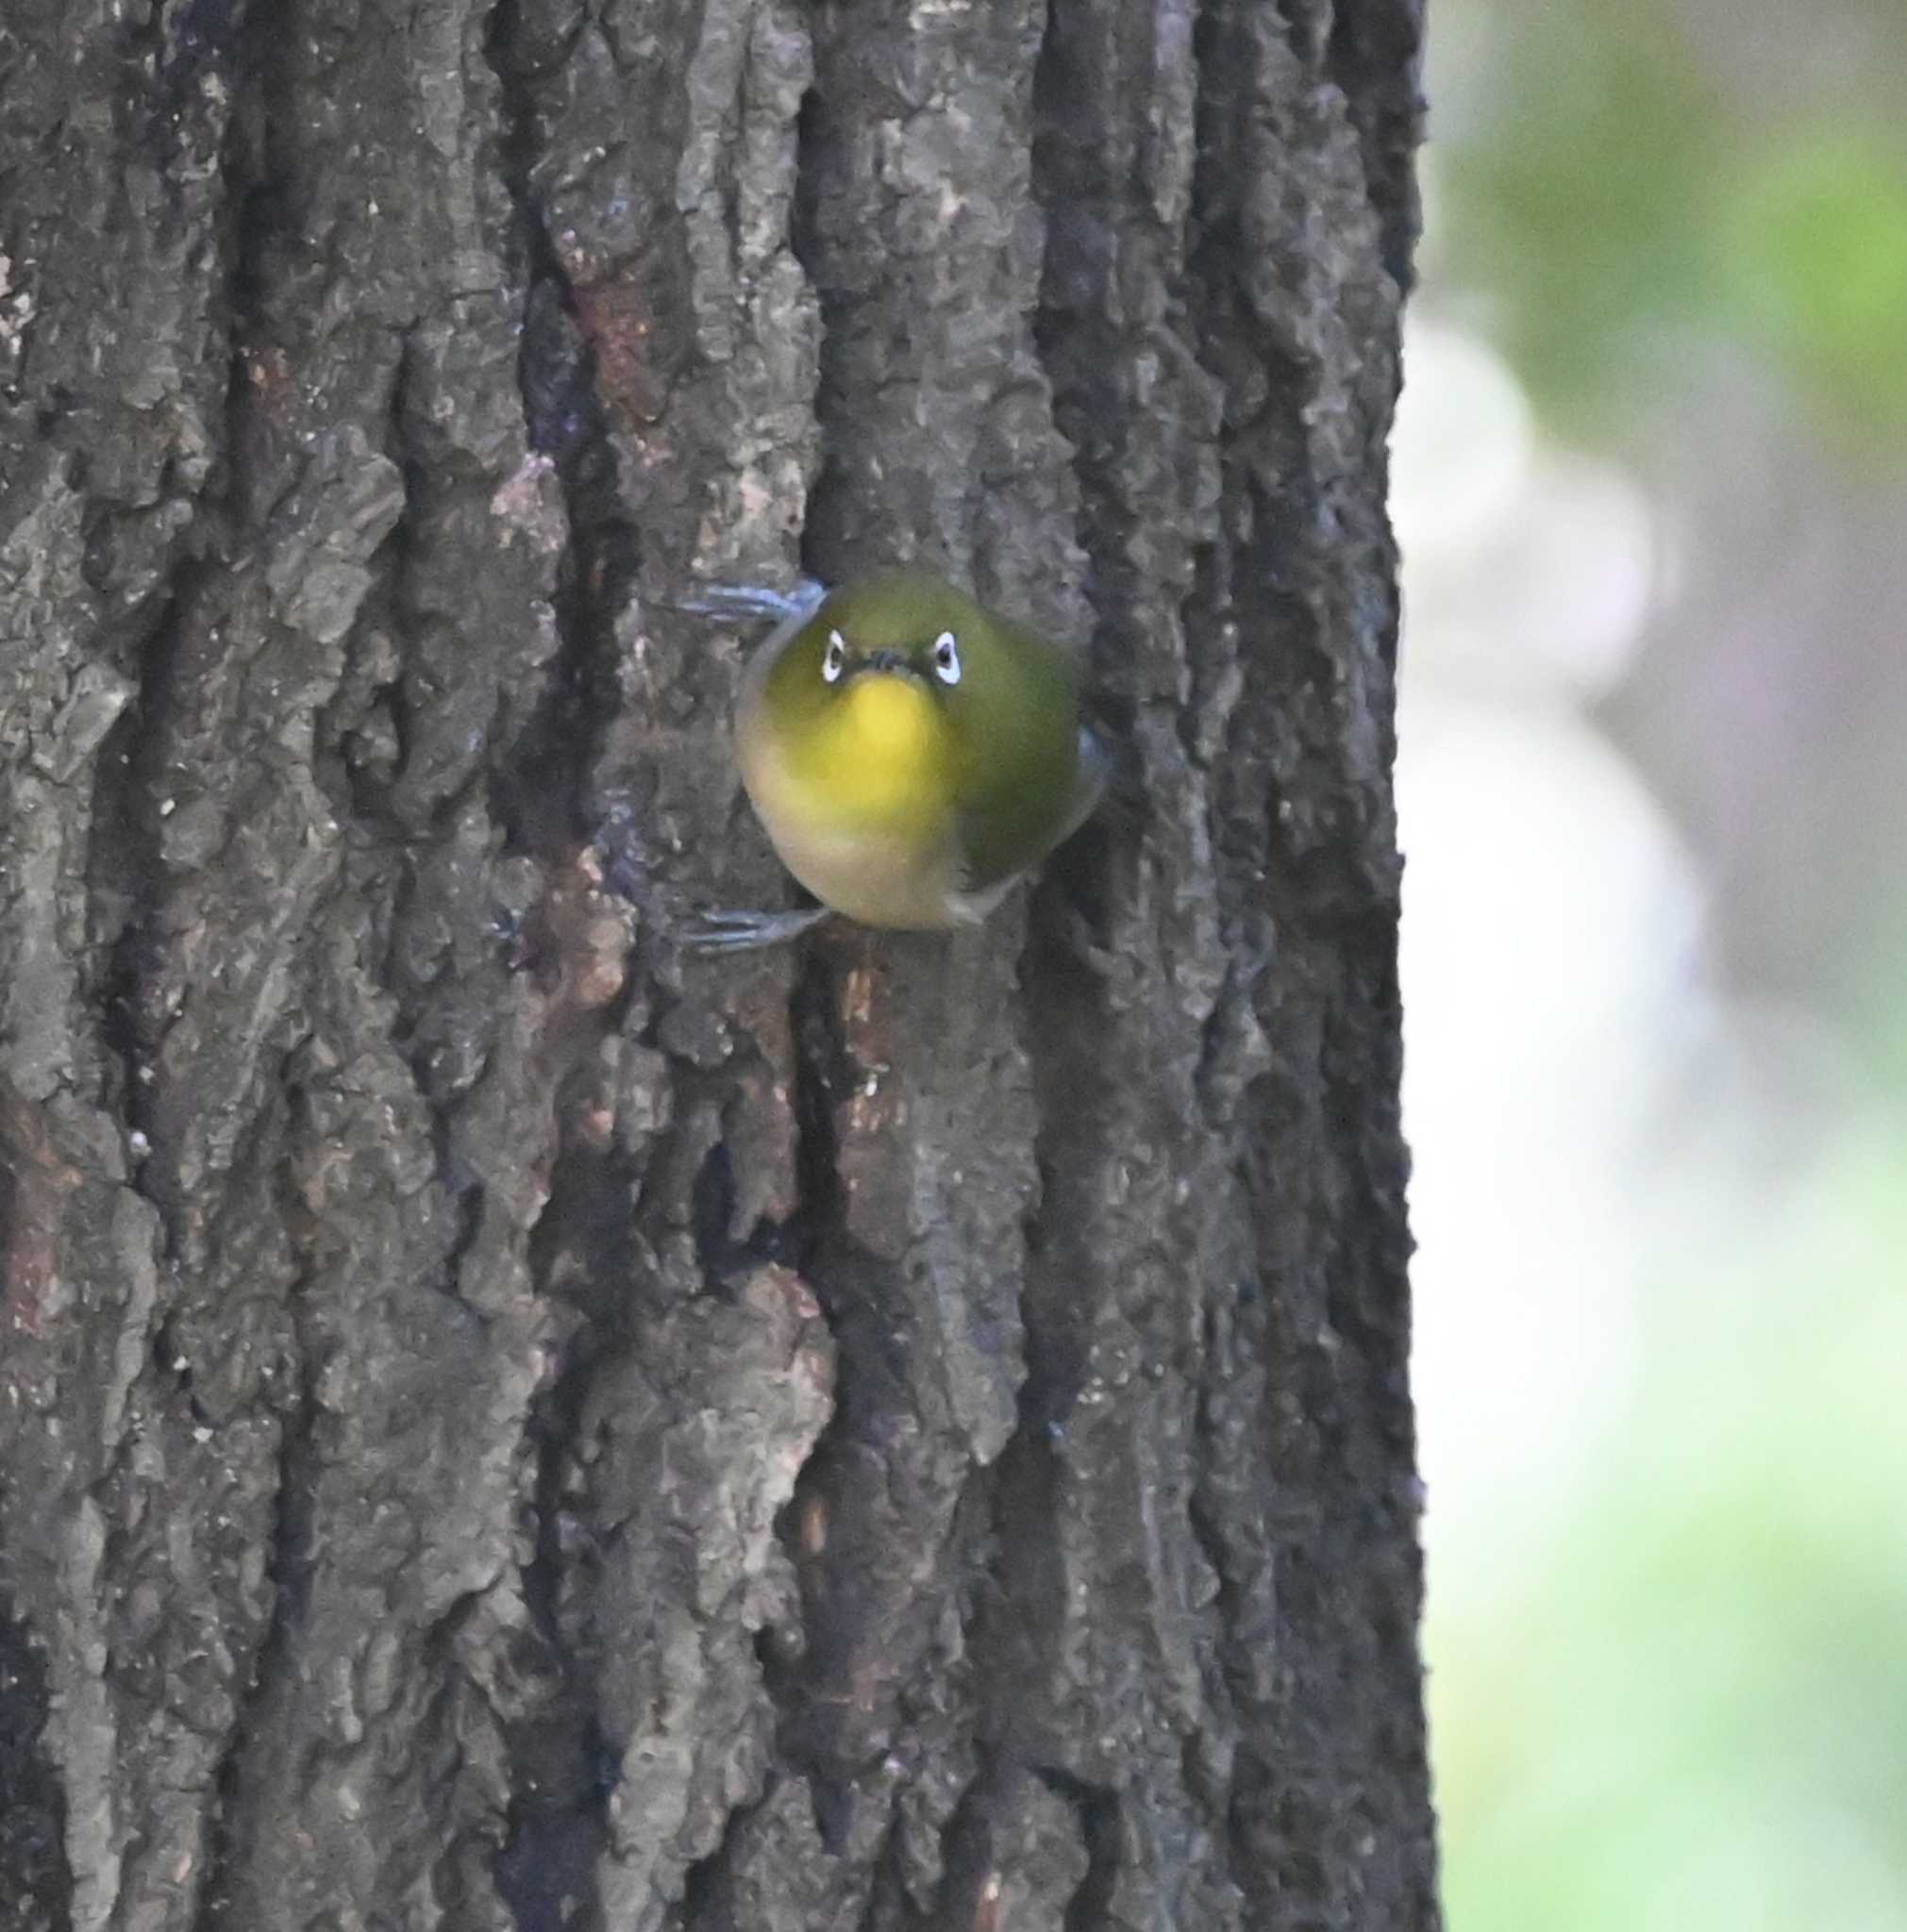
910,755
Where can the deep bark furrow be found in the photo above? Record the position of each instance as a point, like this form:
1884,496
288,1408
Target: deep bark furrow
36,1888
1375,55
561,1769
542,788
257,68
274,1659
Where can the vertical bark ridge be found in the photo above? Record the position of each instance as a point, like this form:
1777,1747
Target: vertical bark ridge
1304,340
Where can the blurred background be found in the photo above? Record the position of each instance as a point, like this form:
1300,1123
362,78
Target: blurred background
1651,484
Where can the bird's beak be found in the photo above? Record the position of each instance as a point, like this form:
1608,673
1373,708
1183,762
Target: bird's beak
887,663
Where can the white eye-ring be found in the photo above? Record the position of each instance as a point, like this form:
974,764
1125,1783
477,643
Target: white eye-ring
835,660
946,659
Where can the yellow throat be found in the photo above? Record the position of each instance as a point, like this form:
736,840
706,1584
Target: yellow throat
878,758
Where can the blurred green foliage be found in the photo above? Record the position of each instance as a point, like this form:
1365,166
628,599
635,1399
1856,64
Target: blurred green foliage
1816,233
1615,183
1686,1711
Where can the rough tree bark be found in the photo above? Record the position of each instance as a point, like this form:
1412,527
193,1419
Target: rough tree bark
504,1423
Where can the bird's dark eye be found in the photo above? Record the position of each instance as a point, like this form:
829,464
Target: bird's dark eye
835,660
946,659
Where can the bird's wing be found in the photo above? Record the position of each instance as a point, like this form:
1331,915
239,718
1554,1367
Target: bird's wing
1089,785
997,846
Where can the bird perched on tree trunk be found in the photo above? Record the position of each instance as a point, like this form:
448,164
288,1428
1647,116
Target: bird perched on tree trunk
911,755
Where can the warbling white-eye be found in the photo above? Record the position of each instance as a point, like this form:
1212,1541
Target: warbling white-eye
910,755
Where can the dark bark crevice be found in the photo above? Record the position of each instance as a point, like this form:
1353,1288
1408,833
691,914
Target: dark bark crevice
36,1886
126,874
274,1660
1375,55
541,793
1096,1807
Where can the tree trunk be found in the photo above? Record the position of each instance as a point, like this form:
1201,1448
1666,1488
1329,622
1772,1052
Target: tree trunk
505,1423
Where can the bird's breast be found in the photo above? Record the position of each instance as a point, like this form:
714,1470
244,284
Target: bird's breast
858,801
